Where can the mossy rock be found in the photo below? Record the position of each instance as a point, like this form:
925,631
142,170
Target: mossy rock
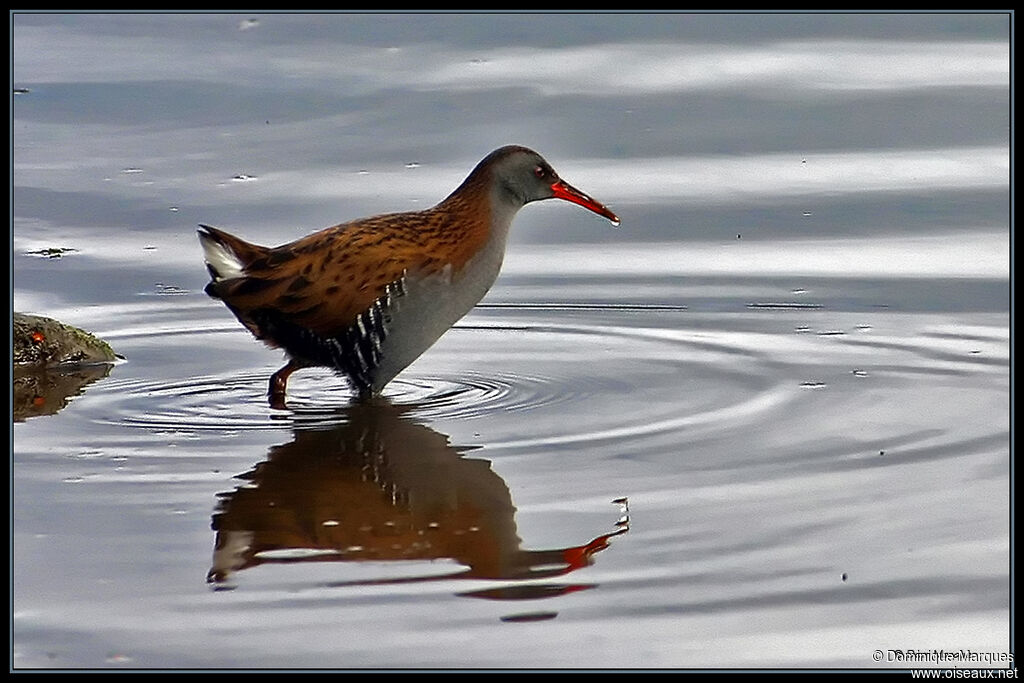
53,362
45,342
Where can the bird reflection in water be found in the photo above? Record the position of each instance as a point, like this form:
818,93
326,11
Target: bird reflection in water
379,486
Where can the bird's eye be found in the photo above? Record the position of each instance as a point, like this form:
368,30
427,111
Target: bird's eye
540,172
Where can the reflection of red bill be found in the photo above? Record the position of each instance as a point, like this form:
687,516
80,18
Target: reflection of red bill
580,555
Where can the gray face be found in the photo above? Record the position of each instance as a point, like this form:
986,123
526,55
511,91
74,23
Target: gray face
521,176
525,175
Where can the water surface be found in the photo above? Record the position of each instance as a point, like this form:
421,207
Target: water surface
765,423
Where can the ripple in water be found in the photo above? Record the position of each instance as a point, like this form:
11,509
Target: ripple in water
570,381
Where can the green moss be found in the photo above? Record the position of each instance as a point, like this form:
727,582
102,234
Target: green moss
47,342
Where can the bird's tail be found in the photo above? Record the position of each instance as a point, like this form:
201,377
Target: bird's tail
226,255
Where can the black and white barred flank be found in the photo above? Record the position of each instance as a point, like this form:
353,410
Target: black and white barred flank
356,352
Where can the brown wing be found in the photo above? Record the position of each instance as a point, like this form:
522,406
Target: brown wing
323,281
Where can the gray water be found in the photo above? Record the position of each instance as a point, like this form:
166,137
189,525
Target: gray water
764,423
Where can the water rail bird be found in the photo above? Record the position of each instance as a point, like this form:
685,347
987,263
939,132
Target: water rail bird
369,296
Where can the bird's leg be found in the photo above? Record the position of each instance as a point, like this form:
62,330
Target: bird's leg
279,384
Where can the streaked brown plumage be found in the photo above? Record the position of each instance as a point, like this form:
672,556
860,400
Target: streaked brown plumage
369,296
